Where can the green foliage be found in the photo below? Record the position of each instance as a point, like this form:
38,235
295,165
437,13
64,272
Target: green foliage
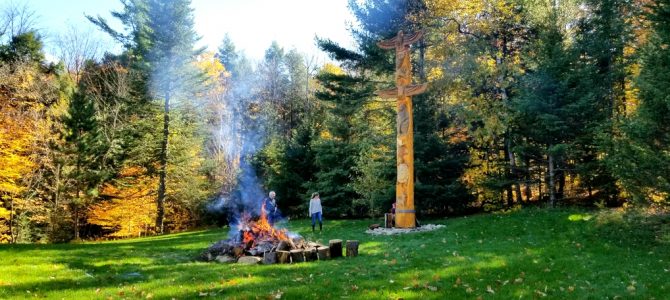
641,159
25,47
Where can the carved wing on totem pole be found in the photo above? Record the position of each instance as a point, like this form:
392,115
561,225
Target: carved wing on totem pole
400,40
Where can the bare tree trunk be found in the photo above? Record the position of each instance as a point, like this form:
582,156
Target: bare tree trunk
12,234
163,166
552,188
511,162
528,177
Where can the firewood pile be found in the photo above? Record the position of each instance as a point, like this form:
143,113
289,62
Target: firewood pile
290,250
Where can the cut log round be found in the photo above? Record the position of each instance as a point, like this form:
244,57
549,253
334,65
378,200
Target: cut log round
297,255
352,248
310,254
323,253
283,257
335,248
269,258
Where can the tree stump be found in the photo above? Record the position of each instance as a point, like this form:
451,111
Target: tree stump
297,255
388,220
352,248
310,254
335,248
269,258
323,253
283,257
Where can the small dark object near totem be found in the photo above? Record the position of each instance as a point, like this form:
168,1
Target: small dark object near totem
373,226
388,220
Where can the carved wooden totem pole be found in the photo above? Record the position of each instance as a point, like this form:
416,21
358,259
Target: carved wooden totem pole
405,214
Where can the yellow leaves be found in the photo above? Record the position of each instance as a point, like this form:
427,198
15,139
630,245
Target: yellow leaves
332,69
132,209
212,67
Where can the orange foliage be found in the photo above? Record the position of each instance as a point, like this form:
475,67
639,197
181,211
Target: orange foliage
132,208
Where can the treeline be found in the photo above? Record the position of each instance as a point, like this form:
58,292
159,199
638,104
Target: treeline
530,102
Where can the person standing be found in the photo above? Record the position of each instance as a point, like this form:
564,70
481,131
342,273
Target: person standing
270,206
316,211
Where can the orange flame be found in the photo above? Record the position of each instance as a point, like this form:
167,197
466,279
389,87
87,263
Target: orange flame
262,230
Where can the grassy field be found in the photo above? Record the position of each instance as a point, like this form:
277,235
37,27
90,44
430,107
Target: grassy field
552,254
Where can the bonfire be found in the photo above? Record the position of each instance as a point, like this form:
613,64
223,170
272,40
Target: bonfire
256,240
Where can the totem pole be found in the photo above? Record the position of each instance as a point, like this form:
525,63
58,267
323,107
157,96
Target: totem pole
405,216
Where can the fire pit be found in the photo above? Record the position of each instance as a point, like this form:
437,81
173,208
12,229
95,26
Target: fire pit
256,241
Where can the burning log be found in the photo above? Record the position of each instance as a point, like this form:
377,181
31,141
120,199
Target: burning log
323,253
297,255
352,248
335,248
283,257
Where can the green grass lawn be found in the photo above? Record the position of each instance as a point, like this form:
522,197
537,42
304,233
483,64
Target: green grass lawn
553,254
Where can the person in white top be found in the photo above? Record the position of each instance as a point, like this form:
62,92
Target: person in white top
315,211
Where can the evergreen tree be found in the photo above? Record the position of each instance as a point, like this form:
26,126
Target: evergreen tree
642,160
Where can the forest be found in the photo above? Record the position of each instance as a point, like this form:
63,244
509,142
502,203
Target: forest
530,103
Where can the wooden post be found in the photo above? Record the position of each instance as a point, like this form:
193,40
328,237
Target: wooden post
352,248
405,216
335,248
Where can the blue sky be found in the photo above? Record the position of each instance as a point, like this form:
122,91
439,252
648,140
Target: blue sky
252,24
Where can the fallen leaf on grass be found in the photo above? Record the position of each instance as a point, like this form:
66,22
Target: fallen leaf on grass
149,296
203,294
571,289
540,293
469,290
432,288
631,288
354,287
490,290
518,280
407,288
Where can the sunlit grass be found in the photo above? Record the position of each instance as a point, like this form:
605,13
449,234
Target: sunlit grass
553,254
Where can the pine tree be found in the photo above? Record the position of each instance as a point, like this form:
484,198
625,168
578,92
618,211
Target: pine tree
642,159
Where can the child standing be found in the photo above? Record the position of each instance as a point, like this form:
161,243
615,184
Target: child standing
315,210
